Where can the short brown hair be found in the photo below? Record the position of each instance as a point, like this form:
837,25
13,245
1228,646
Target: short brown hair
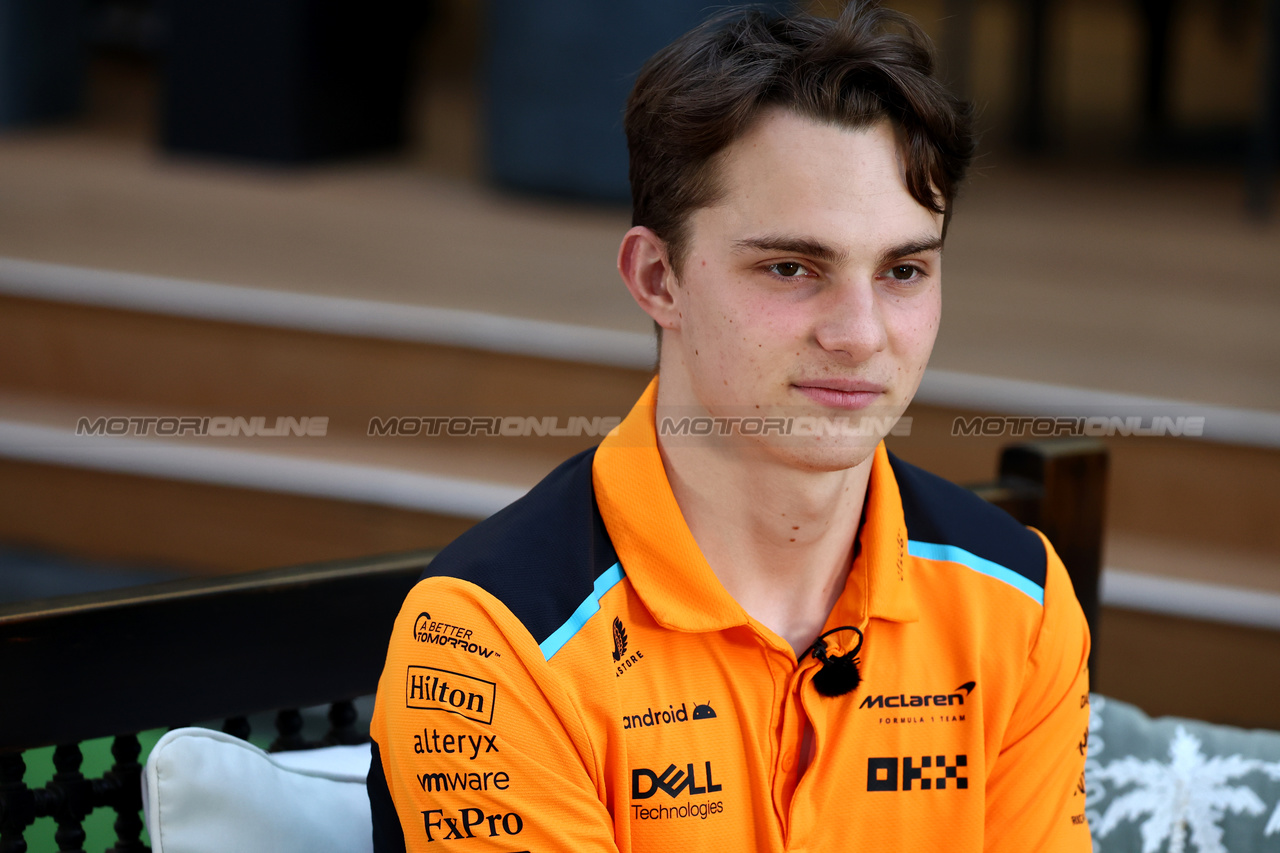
699,94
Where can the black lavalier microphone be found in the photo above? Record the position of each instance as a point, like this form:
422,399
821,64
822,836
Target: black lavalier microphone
837,675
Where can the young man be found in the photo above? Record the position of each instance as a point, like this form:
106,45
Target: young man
739,624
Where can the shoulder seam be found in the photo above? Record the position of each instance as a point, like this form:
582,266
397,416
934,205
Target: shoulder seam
981,565
952,523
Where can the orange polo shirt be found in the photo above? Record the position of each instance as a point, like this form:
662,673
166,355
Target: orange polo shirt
571,675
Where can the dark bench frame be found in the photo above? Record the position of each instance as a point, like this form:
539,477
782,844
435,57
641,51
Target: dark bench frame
326,627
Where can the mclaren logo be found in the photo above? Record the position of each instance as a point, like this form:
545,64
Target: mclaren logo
902,700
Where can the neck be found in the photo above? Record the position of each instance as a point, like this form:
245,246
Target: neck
779,539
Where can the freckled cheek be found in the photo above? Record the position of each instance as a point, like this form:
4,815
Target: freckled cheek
768,319
747,319
913,327
742,347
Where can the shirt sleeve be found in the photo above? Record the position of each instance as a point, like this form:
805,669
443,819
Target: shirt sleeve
1035,791
475,737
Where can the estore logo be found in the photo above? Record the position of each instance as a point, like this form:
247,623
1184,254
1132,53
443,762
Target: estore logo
620,655
619,639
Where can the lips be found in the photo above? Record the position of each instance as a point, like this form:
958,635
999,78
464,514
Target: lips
841,393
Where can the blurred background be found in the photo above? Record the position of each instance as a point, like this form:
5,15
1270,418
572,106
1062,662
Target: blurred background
324,214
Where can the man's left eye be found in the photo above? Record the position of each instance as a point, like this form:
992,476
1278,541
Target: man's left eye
903,272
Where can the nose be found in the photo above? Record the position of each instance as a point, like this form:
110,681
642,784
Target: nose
850,321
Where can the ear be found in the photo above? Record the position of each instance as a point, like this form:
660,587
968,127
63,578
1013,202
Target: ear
646,269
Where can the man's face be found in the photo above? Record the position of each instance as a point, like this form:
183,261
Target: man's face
812,290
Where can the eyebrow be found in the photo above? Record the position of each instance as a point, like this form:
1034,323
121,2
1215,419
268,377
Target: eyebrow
791,246
915,247
828,254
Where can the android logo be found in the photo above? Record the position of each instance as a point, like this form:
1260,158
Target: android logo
703,712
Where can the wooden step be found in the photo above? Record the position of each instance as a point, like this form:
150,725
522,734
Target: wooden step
199,528
209,504
451,471
1190,667
61,362
59,350
1177,490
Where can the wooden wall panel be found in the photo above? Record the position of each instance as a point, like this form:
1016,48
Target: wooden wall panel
1186,668
141,521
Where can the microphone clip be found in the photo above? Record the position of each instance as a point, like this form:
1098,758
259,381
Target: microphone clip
838,674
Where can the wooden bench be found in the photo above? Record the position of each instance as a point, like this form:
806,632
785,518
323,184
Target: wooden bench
114,664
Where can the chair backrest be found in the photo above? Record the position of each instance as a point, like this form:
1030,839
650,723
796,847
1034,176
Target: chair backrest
125,661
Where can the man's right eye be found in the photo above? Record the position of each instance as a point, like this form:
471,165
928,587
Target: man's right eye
789,269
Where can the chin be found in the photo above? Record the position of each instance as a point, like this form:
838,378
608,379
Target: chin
819,456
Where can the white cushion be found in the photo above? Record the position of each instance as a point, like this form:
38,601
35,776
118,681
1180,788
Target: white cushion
208,792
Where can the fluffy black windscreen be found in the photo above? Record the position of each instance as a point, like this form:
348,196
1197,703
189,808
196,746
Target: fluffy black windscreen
837,675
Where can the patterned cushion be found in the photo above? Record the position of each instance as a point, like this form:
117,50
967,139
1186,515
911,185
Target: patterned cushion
1179,785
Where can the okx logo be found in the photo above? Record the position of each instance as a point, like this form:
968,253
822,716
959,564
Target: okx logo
888,774
645,783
